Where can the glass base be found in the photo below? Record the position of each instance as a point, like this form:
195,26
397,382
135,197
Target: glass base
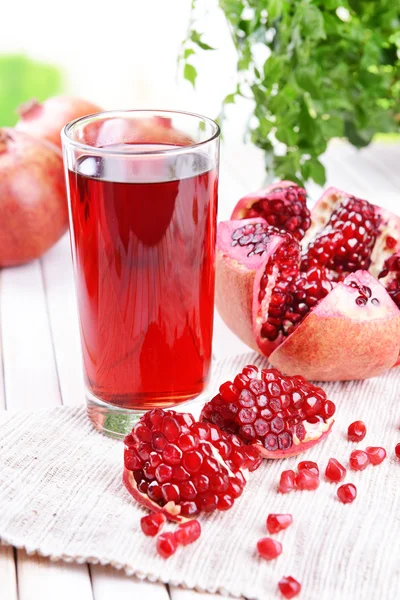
111,420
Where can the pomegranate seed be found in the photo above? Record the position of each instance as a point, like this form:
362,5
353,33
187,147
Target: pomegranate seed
356,431
166,544
225,502
187,533
163,473
310,465
189,509
171,429
397,450
307,480
359,460
131,460
289,587
347,493
269,548
170,492
276,523
376,454
287,482
192,461
335,471
152,524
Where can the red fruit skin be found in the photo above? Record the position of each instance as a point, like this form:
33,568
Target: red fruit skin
335,471
307,480
166,544
269,548
33,207
187,533
376,454
356,431
276,523
359,460
338,342
152,524
347,493
45,120
289,587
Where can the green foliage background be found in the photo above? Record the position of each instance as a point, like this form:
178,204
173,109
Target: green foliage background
21,79
333,71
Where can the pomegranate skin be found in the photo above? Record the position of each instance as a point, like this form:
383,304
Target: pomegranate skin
33,203
341,341
242,207
45,120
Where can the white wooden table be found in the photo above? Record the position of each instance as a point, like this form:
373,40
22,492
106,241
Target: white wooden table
40,355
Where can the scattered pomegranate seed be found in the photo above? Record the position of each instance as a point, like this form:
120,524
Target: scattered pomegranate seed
152,524
359,460
287,482
188,532
307,480
269,548
166,544
310,465
276,523
289,587
335,471
376,455
356,431
397,450
347,493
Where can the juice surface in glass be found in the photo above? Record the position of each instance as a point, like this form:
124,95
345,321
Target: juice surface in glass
143,243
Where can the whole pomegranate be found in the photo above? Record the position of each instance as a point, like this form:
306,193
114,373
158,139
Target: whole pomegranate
313,308
46,119
33,204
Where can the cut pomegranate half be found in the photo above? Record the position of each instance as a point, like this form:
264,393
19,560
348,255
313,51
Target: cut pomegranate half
179,467
300,309
281,416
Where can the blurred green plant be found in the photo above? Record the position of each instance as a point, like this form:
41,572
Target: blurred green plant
330,68
21,79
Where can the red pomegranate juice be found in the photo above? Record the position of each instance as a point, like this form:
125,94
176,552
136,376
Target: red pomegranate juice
143,242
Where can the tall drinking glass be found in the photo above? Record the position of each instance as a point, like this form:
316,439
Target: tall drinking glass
142,190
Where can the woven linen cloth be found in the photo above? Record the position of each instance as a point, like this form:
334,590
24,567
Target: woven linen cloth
61,496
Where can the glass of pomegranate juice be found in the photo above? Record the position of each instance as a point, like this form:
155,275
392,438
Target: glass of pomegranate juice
142,191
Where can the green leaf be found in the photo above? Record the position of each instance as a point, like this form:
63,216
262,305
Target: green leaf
274,9
229,99
312,22
273,67
22,79
190,73
313,169
188,52
307,79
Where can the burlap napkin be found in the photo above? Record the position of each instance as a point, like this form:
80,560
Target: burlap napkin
61,495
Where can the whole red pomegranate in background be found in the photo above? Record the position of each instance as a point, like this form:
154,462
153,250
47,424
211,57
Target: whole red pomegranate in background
46,119
312,309
33,204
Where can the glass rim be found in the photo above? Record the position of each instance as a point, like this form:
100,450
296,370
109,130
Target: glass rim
67,140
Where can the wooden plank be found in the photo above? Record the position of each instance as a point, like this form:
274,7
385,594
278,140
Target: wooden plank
41,579
8,576
109,583
29,369
63,315
183,594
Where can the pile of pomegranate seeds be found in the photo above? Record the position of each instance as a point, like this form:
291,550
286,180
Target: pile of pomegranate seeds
347,493
359,460
356,431
269,548
397,450
376,454
335,471
289,587
280,414
276,523
152,524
